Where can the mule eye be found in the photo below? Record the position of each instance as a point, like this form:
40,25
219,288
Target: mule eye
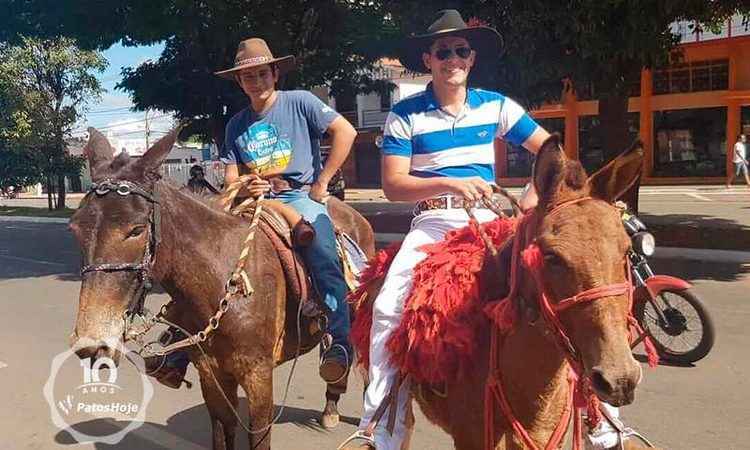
137,231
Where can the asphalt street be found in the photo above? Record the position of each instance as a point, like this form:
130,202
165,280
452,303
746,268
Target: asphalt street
699,407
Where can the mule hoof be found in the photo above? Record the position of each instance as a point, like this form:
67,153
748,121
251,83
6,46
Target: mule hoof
330,417
329,421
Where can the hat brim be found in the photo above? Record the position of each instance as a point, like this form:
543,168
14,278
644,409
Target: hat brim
485,41
285,65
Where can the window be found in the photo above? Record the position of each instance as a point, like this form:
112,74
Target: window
385,99
690,142
519,160
692,77
745,120
591,152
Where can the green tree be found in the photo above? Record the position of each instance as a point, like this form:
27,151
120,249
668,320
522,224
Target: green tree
599,46
335,42
51,81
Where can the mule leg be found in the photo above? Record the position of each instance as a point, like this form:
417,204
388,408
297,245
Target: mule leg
329,418
223,420
258,386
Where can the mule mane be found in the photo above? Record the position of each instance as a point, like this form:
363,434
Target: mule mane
123,167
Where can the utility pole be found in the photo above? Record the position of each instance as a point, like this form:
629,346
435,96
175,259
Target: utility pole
148,131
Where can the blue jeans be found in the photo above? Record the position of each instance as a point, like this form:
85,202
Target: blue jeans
322,260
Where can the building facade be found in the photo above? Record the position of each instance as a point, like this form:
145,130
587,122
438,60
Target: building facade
688,116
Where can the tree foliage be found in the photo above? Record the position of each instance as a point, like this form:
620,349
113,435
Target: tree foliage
335,43
599,45
48,84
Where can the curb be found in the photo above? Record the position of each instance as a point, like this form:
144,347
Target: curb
34,219
673,253
683,253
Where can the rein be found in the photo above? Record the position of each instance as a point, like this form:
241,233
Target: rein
502,312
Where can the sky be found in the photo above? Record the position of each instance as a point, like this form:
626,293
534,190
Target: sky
112,114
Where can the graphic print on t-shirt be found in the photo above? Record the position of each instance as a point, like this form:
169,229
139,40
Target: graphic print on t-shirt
262,149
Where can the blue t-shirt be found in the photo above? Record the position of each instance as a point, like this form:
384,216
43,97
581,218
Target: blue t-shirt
286,137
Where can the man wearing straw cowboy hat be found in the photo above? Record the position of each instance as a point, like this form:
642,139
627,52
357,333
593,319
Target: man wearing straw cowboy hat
438,151
277,139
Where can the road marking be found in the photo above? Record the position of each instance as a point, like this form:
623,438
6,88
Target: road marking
700,197
37,261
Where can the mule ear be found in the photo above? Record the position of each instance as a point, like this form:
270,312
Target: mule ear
614,179
99,153
554,173
151,160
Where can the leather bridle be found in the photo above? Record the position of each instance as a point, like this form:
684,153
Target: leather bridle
143,268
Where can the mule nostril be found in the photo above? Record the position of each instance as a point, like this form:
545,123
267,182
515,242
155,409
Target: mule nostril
600,382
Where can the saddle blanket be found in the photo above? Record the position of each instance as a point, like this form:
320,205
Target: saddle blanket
437,337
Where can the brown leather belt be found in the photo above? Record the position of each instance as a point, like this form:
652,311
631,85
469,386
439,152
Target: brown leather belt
446,202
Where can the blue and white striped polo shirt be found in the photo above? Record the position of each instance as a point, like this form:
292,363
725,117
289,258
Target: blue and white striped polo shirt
440,144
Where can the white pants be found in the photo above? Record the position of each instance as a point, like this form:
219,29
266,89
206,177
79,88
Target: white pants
427,228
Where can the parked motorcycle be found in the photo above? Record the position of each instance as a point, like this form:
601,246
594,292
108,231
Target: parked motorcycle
667,308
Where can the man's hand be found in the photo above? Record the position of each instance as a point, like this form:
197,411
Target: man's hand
319,191
258,187
472,189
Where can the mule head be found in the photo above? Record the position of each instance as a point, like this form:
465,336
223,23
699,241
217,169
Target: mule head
583,244
112,228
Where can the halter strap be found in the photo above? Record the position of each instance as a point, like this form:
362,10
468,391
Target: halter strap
143,268
581,395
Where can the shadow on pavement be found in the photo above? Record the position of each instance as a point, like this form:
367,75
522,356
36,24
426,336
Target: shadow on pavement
191,426
698,231
694,270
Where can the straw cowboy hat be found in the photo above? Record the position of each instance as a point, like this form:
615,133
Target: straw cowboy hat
255,52
486,41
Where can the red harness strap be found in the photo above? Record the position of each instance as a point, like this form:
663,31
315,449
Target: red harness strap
581,394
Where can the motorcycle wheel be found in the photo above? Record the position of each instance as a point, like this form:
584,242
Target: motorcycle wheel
687,335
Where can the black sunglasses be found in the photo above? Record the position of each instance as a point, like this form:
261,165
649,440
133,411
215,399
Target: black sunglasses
445,53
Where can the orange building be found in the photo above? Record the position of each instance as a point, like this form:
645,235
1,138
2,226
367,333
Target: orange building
687,115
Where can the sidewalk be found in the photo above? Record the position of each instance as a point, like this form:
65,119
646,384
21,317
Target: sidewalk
706,217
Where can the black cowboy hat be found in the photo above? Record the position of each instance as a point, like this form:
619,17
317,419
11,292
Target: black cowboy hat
254,52
486,41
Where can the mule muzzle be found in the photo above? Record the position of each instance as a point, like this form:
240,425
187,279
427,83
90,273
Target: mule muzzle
616,387
96,349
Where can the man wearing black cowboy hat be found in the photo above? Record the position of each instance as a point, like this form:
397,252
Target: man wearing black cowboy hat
277,138
437,151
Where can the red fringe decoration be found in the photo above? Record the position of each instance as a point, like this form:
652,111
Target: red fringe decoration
437,338
361,302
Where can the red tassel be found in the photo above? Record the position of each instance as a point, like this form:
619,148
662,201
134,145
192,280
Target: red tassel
653,355
532,257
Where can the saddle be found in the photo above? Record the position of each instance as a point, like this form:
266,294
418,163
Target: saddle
289,233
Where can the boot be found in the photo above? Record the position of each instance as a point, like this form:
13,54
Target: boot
302,234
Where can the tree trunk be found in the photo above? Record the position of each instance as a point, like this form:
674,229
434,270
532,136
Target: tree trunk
48,182
615,138
60,192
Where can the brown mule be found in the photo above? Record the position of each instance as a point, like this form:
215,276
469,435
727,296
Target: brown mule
583,246
190,248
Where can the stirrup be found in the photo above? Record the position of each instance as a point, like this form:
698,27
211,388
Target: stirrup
358,435
628,432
